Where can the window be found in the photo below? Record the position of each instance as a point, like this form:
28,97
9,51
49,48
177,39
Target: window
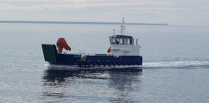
131,41
121,41
113,41
110,40
117,41
128,41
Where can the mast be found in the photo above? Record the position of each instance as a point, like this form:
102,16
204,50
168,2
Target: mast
122,30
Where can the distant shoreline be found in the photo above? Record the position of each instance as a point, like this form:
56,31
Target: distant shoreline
63,22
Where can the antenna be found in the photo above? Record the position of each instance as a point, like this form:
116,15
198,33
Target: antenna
122,26
123,19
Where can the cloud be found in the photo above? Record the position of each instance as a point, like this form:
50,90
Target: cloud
25,0
155,9
79,1
148,10
77,5
75,1
43,7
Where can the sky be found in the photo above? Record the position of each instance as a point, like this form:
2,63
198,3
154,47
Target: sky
172,12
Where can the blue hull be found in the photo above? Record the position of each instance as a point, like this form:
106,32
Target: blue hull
53,57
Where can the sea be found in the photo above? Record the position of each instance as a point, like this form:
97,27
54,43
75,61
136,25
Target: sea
175,65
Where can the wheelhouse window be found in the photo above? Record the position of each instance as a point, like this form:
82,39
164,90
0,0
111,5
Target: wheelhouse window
128,41
131,41
125,41
115,41
121,41
110,40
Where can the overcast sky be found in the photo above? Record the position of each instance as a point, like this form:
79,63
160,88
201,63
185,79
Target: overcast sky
172,12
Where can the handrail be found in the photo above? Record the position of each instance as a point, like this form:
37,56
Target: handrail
136,41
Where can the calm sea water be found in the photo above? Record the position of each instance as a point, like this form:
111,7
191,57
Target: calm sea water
175,67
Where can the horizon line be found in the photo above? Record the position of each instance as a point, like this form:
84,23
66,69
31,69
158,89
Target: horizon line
68,22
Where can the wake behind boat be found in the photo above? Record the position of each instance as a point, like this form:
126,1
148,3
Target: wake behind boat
123,52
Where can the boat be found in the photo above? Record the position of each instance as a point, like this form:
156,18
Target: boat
123,52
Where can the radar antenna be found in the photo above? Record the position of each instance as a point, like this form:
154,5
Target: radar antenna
122,26
123,20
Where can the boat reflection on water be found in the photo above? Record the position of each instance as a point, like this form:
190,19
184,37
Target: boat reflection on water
78,85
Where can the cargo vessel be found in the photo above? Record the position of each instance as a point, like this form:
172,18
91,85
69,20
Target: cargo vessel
123,52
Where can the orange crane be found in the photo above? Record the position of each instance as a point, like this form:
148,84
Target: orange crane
61,43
